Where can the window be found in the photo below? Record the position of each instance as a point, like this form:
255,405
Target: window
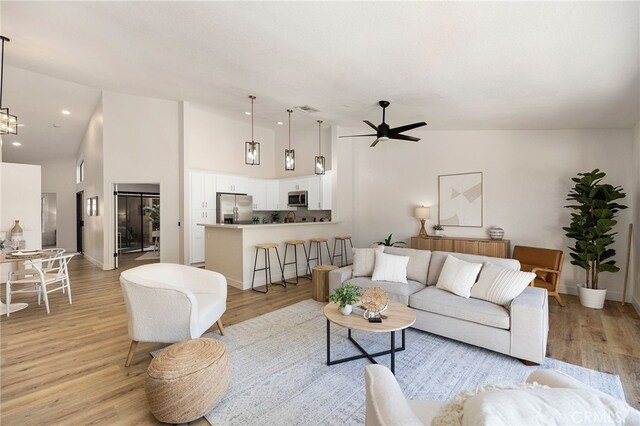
80,177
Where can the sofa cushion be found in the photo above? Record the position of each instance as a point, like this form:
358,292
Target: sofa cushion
390,267
438,258
418,266
500,285
364,260
395,291
458,276
441,302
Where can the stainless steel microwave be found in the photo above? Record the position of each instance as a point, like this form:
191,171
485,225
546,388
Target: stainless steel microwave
297,199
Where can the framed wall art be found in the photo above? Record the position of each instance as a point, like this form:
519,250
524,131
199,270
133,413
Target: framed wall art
460,199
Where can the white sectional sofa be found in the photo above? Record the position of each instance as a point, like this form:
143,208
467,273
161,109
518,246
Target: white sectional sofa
518,329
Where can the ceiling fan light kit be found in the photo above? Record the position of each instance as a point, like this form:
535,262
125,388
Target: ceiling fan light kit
289,154
319,160
8,121
384,132
252,149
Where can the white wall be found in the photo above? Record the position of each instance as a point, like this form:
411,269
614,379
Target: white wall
526,178
21,201
59,177
91,152
634,285
216,143
141,146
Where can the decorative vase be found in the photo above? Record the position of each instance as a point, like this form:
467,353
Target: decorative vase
16,232
496,233
591,297
346,310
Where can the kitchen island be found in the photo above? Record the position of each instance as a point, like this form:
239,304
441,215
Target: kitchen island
230,249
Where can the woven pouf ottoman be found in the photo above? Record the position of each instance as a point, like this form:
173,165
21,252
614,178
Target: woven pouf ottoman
187,379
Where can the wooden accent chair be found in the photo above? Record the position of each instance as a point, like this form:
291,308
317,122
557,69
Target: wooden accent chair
545,263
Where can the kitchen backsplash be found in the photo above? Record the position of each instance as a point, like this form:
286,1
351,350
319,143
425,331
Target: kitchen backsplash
301,215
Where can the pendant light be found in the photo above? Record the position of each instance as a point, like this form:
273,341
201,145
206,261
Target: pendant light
289,154
319,157
8,122
252,149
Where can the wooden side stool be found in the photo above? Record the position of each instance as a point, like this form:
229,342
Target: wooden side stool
317,242
295,244
186,380
267,266
343,255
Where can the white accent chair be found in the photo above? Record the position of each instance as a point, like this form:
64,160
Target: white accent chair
387,406
169,303
41,276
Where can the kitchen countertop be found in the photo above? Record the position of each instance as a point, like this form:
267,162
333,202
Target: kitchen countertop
262,225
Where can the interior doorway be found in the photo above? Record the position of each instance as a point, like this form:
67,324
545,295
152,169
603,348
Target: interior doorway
79,221
137,213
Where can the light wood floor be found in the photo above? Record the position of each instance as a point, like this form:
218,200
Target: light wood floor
68,367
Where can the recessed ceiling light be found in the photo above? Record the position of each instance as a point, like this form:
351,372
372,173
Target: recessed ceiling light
16,144
247,113
280,123
66,112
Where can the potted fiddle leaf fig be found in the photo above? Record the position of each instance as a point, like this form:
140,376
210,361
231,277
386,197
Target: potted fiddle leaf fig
593,218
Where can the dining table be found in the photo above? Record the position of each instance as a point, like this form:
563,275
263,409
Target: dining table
14,261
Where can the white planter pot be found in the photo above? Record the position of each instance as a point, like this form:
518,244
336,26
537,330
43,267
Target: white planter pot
346,310
438,232
592,298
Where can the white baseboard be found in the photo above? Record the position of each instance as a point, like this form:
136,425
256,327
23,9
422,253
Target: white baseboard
93,261
636,304
611,295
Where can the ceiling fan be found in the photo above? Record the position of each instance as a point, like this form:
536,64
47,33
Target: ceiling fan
384,133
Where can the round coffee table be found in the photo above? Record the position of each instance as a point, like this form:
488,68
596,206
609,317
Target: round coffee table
398,318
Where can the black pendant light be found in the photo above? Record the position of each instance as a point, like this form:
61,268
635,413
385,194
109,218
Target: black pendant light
252,149
319,158
289,154
8,122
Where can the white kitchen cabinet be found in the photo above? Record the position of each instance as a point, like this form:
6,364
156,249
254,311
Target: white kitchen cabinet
326,186
273,195
203,190
258,190
286,186
197,233
233,184
314,194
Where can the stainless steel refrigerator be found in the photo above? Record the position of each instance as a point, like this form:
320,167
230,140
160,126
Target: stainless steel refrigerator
234,208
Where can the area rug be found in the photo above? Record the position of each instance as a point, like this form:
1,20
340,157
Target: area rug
279,375
150,255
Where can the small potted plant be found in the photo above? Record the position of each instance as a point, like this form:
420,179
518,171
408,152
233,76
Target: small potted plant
345,296
592,221
437,229
387,242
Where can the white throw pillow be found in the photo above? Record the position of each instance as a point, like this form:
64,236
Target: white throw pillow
390,267
458,276
500,285
364,260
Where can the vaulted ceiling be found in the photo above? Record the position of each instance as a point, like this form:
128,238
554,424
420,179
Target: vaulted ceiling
456,65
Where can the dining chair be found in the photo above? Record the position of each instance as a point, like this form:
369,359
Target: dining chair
35,279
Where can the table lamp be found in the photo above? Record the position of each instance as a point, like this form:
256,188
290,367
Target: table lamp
422,213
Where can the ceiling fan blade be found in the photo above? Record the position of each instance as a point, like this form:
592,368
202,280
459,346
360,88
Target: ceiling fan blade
404,138
357,136
374,143
407,127
371,125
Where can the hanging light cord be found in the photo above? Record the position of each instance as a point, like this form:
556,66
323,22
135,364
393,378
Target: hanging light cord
2,68
289,111
252,98
319,132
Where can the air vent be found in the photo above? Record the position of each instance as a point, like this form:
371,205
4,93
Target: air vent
306,108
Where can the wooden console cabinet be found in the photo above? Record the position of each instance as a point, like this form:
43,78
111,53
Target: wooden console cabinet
480,246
